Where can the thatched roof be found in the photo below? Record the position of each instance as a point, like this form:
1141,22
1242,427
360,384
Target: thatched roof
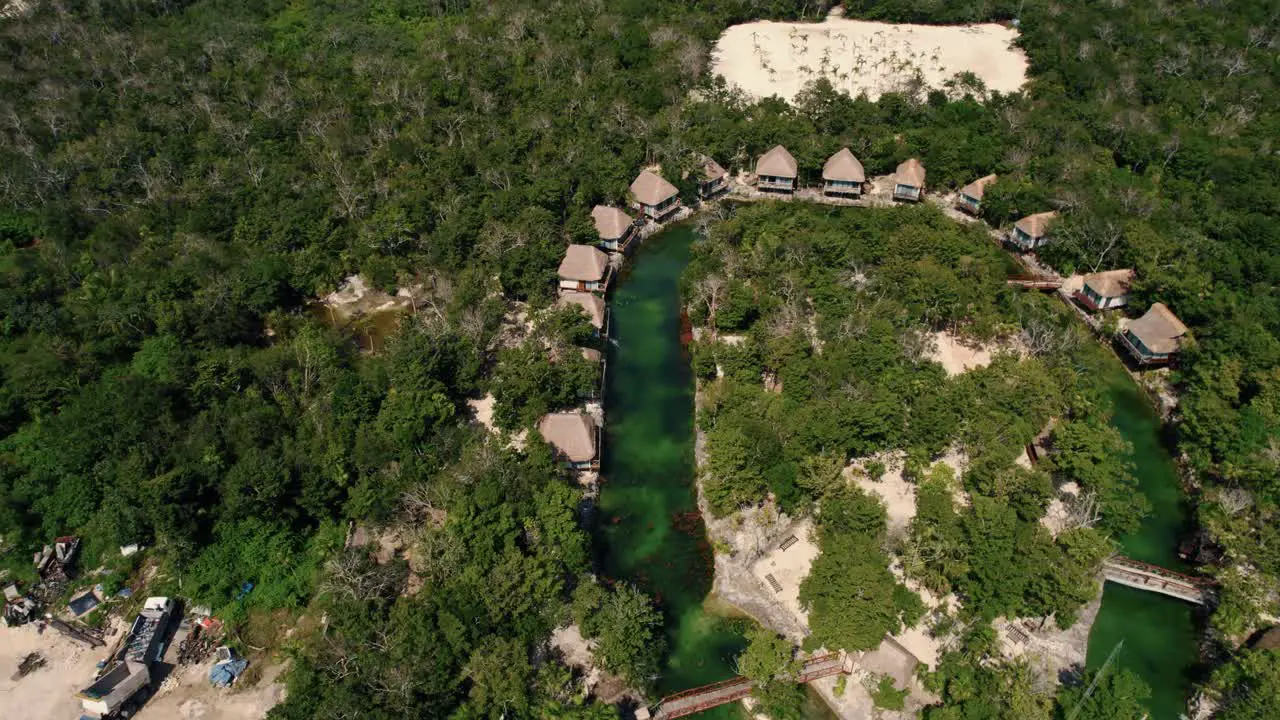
1111,283
611,222
583,262
910,172
844,166
711,169
777,163
1159,329
593,304
651,189
978,187
572,434
1036,225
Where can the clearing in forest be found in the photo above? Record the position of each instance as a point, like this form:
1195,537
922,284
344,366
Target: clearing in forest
780,58
957,355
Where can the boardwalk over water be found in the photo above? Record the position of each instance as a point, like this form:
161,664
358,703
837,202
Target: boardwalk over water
1154,578
708,696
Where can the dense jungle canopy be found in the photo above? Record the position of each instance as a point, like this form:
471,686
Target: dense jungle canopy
179,178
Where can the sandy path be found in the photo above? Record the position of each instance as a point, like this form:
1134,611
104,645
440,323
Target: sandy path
778,58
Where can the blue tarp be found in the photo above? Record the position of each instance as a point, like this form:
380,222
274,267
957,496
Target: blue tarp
226,672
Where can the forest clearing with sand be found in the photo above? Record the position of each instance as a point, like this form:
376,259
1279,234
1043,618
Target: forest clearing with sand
50,691
780,58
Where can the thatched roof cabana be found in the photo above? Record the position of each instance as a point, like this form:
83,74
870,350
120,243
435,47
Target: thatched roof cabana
572,434
844,166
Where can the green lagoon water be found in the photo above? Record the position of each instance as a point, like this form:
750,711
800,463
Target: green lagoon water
650,531
1159,633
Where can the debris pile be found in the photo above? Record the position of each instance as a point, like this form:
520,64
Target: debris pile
18,608
57,563
91,637
30,663
54,564
200,643
229,667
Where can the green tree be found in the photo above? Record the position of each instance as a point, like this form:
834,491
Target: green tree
1249,685
1120,695
626,627
1093,454
500,674
852,598
767,656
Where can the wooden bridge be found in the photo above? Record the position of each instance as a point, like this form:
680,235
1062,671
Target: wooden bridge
706,697
1154,578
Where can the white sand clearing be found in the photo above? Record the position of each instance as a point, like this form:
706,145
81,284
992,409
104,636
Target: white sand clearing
1058,516
897,494
49,691
788,568
573,647
483,410
778,58
191,697
957,356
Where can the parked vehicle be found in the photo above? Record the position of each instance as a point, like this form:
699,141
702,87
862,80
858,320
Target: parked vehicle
126,682
116,692
146,637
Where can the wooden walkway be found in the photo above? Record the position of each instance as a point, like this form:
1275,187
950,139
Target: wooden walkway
1154,578
706,697
1035,282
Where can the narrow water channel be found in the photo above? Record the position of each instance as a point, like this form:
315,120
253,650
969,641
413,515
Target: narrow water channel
650,531
1159,633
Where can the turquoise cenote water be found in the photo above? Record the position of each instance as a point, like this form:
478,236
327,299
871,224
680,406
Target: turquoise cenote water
650,532
1159,633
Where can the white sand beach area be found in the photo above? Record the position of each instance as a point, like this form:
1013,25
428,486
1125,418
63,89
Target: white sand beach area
779,58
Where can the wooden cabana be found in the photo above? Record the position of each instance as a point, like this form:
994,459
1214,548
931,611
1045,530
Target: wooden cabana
843,175
908,181
970,198
584,269
776,171
1105,290
614,226
574,438
1154,338
1031,231
656,197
